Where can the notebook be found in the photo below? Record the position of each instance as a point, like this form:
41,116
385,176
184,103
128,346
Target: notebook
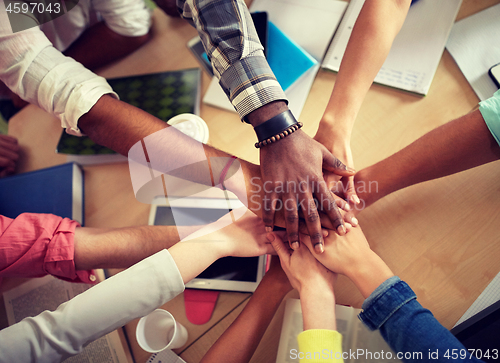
416,50
163,95
56,190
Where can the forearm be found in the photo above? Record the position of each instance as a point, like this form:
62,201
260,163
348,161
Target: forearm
368,272
193,257
121,247
371,39
96,312
453,147
99,45
239,341
318,307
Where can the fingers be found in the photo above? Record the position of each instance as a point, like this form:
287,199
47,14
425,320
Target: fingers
270,200
350,190
336,166
292,220
280,247
303,228
313,223
331,209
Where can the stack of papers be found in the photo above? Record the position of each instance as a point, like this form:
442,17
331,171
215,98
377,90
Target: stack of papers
416,50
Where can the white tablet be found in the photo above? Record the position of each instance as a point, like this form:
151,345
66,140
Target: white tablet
228,273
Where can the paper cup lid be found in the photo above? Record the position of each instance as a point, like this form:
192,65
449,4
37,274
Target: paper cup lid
191,125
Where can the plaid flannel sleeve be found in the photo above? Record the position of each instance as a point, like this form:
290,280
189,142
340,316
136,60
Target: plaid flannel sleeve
233,47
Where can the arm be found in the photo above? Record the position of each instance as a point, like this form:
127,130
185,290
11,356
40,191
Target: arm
390,304
409,328
239,341
376,27
315,285
139,289
231,43
459,145
99,46
124,28
33,69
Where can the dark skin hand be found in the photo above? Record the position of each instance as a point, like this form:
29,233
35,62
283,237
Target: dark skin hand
292,172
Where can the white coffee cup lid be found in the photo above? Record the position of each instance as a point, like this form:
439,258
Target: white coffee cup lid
191,125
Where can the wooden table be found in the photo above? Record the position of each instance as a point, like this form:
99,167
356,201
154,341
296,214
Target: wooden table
440,236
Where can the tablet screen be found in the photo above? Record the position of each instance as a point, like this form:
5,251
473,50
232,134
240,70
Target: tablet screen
237,269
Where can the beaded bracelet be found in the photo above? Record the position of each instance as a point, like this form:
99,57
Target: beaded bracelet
279,136
276,128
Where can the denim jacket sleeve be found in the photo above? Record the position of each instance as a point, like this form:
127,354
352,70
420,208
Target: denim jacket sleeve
407,327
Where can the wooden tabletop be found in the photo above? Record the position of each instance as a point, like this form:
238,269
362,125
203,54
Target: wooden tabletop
440,236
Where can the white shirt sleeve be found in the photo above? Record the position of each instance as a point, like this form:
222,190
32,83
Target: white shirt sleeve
54,336
130,18
33,69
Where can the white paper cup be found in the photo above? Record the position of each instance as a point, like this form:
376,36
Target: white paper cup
159,330
191,125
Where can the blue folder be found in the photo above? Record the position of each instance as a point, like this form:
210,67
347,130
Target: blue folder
288,60
56,190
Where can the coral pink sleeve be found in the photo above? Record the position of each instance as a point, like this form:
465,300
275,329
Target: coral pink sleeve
35,245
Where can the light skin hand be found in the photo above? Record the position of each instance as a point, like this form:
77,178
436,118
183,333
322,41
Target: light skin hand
351,256
314,283
246,237
9,154
340,146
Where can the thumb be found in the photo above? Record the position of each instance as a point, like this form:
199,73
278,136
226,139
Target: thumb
331,163
279,247
350,190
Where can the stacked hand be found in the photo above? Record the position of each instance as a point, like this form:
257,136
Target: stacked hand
292,172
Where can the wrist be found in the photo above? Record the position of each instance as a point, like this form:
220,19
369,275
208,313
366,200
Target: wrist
266,112
333,138
276,128
278,283
369,273
318,309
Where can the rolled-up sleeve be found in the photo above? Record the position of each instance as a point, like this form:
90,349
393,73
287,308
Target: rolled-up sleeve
490,110
33,69
233,47
35,245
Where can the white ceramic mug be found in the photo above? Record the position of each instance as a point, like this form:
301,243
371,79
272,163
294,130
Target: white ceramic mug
159,330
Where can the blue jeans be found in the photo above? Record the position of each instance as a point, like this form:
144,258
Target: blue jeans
409,329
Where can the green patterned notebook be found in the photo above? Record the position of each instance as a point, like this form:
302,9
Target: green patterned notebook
163,95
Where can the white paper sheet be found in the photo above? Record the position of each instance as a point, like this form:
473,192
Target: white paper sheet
416,50
474,43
